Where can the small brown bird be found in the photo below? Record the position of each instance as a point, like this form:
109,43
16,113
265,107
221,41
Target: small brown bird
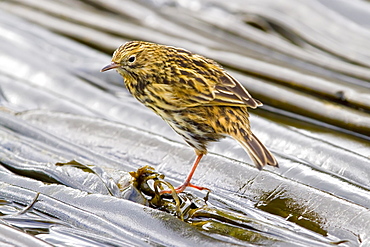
193,94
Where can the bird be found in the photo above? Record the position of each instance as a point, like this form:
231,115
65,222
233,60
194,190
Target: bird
194,95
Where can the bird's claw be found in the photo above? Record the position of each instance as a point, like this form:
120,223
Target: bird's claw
182,187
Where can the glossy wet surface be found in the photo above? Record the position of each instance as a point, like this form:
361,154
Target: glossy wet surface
70,135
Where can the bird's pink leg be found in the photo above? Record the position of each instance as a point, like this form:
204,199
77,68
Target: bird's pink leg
187,183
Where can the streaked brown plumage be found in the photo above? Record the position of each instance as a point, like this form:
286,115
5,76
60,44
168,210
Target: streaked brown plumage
193,94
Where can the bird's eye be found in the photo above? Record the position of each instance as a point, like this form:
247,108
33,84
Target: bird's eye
132,59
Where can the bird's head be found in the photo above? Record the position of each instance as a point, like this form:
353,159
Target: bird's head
135,59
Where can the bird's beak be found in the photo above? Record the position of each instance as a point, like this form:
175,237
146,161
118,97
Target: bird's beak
113,65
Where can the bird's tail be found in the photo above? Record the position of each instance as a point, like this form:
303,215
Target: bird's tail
257,151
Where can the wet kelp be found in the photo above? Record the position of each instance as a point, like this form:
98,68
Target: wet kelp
70,136
55,199
230,215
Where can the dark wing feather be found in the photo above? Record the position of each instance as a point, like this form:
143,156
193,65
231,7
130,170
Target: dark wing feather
230,92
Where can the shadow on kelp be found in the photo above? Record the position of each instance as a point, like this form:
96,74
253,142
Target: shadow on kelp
292,211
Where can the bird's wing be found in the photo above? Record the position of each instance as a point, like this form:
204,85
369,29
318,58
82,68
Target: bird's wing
228,91
200,81
219,89
197,90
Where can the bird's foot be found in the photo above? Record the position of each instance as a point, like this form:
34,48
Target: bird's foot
182,187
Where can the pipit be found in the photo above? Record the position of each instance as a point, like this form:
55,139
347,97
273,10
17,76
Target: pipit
193,94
